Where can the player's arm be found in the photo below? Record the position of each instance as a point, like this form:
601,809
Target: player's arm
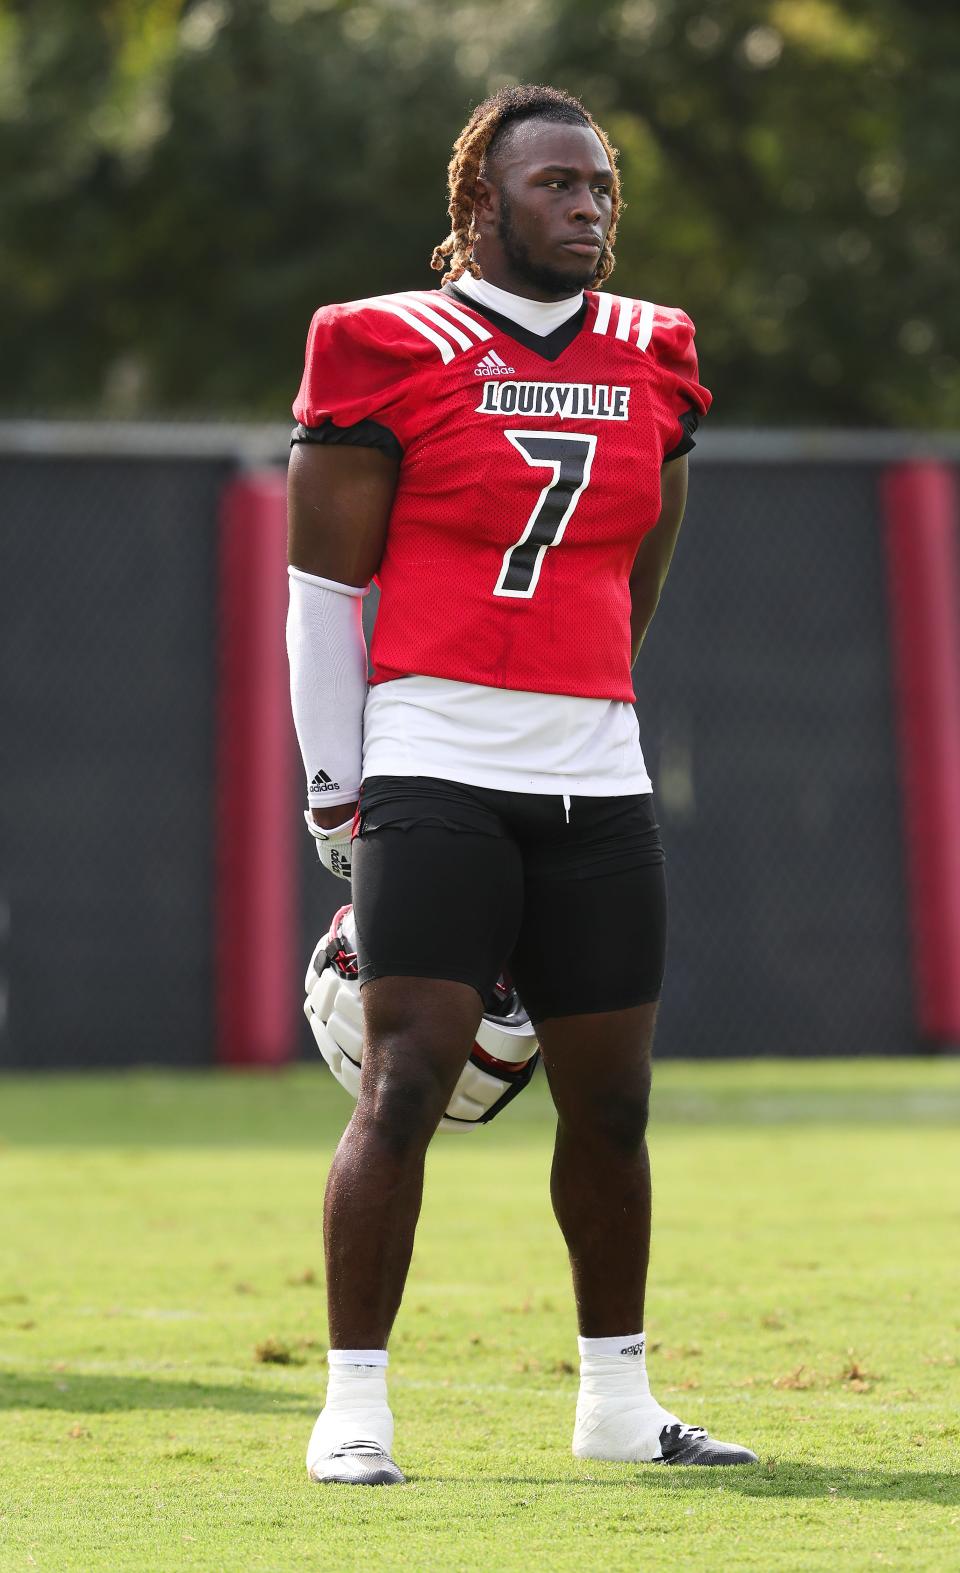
338,506
652,562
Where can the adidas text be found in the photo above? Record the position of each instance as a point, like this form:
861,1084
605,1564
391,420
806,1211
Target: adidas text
322,783
493,366
632,1349
340,862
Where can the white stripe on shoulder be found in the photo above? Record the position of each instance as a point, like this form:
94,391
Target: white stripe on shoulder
437,299
625,318
424,309
447,351
604,308
645,329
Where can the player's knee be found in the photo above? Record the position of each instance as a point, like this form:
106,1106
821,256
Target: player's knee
618,1122
403,1101
625,1124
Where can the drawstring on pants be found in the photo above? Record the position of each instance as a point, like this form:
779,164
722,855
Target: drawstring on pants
566,806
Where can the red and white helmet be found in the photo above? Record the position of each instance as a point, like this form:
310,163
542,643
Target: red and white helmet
502,1061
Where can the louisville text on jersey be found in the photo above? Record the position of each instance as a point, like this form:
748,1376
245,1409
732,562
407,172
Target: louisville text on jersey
599,401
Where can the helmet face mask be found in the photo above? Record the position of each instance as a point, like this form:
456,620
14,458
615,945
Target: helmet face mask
501,1063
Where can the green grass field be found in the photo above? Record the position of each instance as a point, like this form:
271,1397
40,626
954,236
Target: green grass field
161,1235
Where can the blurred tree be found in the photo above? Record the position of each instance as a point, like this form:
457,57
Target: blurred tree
183,182
788,165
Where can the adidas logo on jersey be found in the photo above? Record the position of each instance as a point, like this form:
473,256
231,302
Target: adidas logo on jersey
493,366
597,401
322,783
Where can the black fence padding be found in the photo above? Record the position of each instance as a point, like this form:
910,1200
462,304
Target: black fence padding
107,611
765,707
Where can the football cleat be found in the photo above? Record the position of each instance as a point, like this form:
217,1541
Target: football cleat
358,1463
680,1444
622,1431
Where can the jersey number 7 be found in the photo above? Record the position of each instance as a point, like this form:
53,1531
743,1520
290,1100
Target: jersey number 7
569,455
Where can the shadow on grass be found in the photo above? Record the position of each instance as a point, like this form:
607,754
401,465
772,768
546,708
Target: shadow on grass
765,1480
101,1395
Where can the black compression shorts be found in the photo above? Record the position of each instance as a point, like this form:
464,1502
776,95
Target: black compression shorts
453,881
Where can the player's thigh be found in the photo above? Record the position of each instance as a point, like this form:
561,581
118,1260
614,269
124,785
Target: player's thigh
594,928
418,1034
599,1070
437,886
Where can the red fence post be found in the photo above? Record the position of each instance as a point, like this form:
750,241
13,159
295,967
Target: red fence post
256,894
923,568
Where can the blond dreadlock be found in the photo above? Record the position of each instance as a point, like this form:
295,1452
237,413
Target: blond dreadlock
510,105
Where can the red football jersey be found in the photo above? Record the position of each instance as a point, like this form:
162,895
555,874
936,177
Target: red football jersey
530,473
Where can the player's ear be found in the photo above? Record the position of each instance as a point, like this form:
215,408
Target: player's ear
484,203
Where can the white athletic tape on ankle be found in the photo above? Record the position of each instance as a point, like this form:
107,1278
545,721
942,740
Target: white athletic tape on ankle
378,1357
630,1345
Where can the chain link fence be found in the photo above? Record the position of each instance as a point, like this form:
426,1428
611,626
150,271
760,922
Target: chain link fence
107,608
764,696
765,702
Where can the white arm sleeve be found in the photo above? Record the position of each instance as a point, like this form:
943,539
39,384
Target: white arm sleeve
328,684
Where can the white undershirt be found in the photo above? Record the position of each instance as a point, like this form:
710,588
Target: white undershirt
501,737
537,316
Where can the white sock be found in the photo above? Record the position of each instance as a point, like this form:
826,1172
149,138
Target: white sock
356,1407
608,1356
339,1357
617,1415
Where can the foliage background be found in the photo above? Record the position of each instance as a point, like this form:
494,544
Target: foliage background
182,183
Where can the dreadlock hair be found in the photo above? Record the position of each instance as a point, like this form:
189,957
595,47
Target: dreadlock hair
473,149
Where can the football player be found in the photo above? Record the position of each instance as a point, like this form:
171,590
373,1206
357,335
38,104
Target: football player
507,456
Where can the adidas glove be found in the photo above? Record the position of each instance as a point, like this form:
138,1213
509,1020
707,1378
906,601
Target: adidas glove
333,846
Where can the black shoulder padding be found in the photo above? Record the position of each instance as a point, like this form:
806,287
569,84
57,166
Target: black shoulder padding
365,434
689,420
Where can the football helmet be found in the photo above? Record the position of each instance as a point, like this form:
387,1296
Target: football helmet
502,1060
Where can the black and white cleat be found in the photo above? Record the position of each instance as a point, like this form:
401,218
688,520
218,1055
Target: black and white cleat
359,1463
680,1444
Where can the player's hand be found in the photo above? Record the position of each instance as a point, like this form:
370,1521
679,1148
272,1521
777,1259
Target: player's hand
333,833
333,818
